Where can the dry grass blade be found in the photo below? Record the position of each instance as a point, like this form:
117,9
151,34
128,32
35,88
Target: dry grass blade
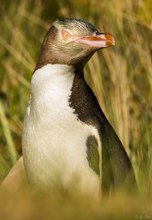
15,54
7,133
13,74
35,19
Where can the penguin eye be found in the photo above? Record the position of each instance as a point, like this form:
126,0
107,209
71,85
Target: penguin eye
66,35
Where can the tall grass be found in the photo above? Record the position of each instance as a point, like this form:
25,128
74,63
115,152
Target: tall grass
121,77
24,205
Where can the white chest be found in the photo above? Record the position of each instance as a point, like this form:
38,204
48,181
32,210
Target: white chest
54,140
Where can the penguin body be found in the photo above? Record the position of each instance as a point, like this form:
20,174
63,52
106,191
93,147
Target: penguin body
66,137
54,139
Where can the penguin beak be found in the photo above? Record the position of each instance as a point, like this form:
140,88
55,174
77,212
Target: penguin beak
98,40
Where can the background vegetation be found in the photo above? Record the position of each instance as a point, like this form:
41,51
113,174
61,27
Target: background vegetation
121,77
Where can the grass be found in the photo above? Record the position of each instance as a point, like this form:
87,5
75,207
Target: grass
121,79
29,204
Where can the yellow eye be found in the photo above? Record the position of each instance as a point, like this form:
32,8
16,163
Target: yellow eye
66,35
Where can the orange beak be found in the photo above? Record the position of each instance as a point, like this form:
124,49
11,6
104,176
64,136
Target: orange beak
100,40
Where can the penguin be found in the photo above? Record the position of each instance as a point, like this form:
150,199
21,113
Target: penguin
66,138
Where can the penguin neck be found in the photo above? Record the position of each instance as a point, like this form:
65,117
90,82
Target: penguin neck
52,88
51,78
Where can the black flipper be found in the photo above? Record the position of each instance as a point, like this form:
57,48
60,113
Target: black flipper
116,166
93,154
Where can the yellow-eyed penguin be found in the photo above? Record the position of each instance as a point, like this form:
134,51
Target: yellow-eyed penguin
66,137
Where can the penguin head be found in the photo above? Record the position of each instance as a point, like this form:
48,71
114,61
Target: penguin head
73,42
